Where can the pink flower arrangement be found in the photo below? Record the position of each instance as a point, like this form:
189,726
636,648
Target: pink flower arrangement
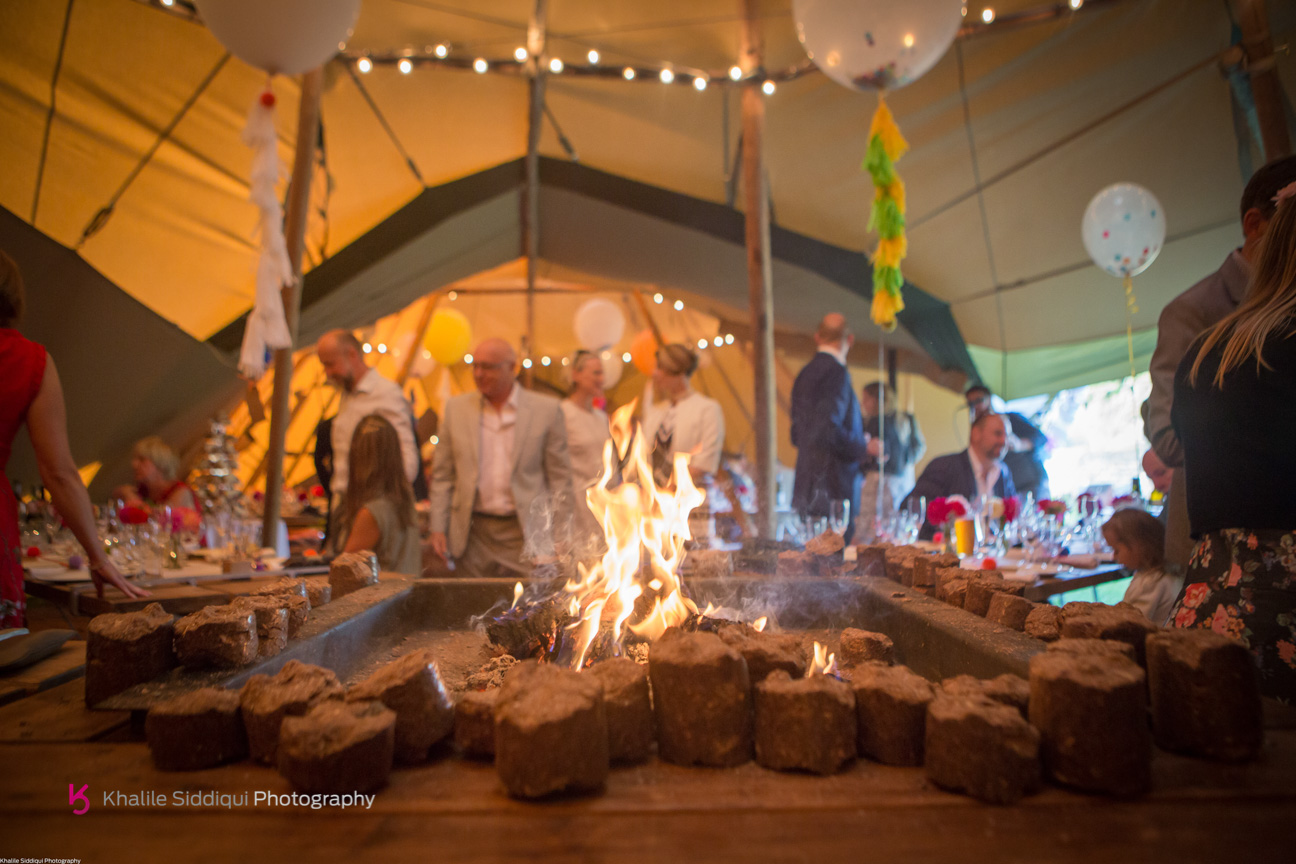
1011,508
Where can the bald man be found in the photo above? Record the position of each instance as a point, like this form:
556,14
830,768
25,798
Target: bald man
501,475
827,427
364,392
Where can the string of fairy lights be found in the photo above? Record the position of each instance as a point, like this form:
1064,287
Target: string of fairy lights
546,360
593,64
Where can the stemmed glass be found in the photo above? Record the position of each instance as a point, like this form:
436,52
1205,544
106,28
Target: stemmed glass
839,515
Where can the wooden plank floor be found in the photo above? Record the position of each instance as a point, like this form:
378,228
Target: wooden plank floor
454,810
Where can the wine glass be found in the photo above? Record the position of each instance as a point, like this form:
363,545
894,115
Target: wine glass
839,515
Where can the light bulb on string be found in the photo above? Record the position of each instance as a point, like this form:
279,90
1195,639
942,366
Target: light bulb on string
729,340
658,298
526,364
519,54
555,65
364,65
468,358
717,341
679,305
593,57
441,51
768,88
544,361
987,15
735,73
628,73
666,76
480,66
699,83
405,65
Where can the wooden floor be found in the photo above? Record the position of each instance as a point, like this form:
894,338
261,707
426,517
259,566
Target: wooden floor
453,810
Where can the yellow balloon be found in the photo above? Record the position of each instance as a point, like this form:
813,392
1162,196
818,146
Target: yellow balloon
448,336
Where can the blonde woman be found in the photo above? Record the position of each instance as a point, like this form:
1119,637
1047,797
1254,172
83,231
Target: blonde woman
378,512
1235,414
156,469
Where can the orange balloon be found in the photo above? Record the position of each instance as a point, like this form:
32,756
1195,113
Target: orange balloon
643,352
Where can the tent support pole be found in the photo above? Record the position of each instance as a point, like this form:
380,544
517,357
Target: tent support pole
531,189
1253,19
298,208
759,277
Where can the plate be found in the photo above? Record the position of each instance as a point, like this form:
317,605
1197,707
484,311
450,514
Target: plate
57,573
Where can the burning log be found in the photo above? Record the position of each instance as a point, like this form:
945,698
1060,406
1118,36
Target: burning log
474,729
891,710
412,687
196,730
628,702
701,700
531,629
1092,715
981,748
266,701
860,646
804,724
1205,696
127,649
551,732
338,747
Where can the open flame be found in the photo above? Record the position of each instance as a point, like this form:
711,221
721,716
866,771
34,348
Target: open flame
517,595
760,623
823,663
645,528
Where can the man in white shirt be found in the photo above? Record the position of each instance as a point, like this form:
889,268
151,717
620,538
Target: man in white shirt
501,476
364,392
977,471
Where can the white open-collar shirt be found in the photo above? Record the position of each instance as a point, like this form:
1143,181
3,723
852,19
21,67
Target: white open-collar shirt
373,394
495,473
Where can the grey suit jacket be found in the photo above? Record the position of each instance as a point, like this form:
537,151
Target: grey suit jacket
1182,320
541,477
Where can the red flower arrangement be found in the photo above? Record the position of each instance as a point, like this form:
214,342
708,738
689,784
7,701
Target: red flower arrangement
1012,507
941,510
1052,507
133,515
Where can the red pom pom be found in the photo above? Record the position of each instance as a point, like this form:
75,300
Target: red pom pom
938,537
268,98
989,564
33,551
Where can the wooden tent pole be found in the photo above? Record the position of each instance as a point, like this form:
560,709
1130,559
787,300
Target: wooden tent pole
759,277
1266,87
531,189
298,208
420,330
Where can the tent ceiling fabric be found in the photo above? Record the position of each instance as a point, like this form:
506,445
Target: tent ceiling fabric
180,238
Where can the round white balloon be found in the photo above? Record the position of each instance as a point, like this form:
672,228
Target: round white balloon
876,44
598,324
1124,229
612,368
283,37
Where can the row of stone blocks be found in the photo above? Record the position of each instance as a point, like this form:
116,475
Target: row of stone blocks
131,648
323,738
1081,720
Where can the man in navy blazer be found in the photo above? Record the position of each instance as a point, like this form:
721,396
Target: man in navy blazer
827,427
978,470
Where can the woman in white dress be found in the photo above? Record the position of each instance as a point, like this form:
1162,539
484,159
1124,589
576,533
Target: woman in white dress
587,432
684,421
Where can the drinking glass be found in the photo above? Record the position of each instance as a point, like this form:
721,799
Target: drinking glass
839,515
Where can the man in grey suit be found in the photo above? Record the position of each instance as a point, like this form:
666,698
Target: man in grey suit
501,476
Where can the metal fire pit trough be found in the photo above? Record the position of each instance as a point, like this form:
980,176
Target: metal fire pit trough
358,633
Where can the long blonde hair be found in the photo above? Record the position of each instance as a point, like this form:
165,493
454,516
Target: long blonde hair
1270,304
376,470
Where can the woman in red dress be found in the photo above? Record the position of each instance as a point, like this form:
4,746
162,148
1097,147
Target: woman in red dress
30,392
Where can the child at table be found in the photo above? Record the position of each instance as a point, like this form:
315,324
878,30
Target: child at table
1137,540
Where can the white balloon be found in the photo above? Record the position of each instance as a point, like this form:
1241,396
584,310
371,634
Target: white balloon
876,44
598,324
1124,229
283,37
613,366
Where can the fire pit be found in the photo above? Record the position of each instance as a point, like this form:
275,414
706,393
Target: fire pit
357,633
